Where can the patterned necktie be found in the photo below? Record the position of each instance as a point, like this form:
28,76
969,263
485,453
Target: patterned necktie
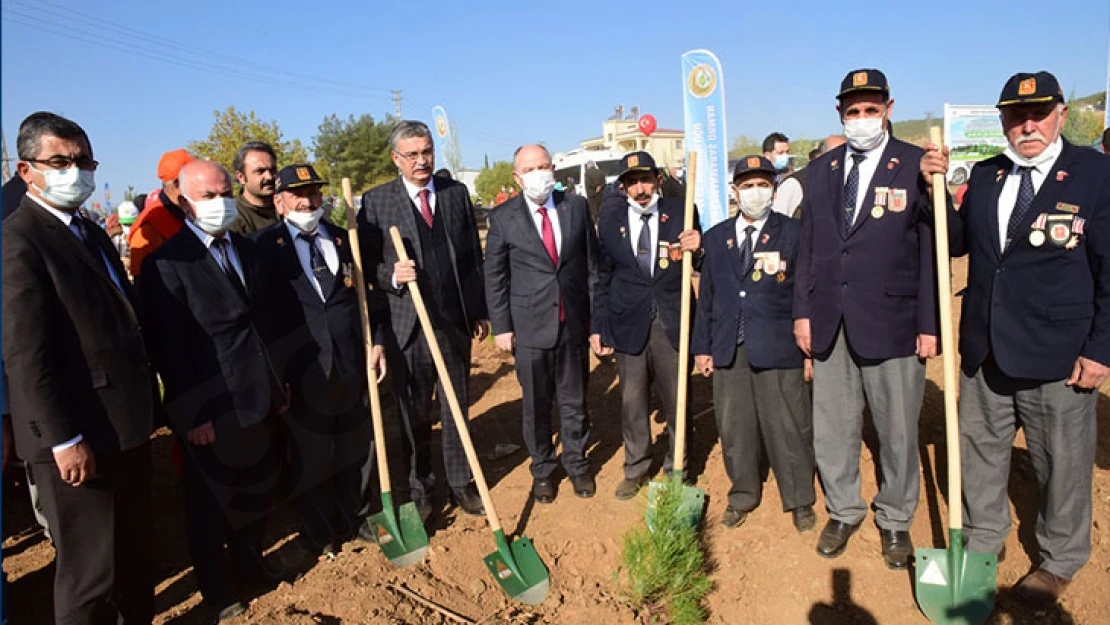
320,269
851,191
552,251
425,207
745,263
643,245
225,264
1024,201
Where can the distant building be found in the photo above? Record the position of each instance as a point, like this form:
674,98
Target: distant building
468,177
623,135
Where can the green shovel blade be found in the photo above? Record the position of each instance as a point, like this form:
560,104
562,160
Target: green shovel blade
401,536
691,506
955,586
518,569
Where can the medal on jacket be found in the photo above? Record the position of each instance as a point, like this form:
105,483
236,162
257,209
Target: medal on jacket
1059,229
348,281
1037,236
757,275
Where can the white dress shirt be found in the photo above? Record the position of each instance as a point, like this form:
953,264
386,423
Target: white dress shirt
788,197
866,170
232,253
635,224
741,224
325,244
1007,198
552,215
414,193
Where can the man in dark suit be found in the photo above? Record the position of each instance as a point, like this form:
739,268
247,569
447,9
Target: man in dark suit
1033,333
437,224
220,386
82,391
865,308
637,306
541,272
744,338
313,330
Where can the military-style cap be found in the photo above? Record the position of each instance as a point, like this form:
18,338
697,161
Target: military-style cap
749,164
637,161
864,80
1025,88
293,176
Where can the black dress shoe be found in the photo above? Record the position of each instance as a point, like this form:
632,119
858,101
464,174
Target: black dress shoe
543,489
584,485
628,488
468,499
834,538
230,611
897,549
733,517
804,519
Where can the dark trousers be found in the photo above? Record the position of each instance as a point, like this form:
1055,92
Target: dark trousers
768,406
656,365
414,376
229,488
101,533
329,435
556,375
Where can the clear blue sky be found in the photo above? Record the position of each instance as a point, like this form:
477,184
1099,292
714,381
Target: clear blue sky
145,76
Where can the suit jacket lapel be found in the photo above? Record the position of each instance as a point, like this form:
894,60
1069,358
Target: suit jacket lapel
884,173
733,251
293,268
340,256
406,221
246,263
565,217
522,218
836,186
992,211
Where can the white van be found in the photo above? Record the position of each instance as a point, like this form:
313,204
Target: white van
573,165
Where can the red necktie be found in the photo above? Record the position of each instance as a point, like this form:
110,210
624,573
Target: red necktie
425,207
552,251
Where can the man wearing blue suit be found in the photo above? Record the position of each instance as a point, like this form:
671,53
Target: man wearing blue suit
636,306
865,308
1035,328
744,338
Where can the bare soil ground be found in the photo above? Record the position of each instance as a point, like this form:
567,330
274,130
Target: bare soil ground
763,572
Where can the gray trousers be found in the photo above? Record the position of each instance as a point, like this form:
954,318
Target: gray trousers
769,406
658,363
1060,431
894,390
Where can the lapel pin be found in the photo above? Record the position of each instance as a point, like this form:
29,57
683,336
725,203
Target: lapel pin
624,232
338,242
663,218
766,237
729,243
999,174
281,241
1060,175
834,164
892,163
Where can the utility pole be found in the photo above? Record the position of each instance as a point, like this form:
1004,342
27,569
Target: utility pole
396,102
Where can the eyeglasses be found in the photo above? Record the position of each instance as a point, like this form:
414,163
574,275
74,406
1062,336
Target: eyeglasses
411,156
64,162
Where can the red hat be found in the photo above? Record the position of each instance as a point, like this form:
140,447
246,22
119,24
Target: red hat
171,163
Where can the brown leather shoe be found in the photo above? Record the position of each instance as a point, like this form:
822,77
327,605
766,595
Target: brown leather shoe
1041,588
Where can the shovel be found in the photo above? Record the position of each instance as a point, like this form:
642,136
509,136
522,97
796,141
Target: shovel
692,504
952,585
516,566
400,533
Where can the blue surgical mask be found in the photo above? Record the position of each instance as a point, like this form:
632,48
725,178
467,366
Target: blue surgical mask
66,188
782,161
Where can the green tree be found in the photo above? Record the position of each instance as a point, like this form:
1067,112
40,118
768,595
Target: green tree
129,194
745,146
491,179
233,128
355,148
1082,127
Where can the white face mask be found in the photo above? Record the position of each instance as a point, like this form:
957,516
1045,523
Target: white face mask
538,184
66,188
1052,151
305,222
643,210
755,201
864,133
215,215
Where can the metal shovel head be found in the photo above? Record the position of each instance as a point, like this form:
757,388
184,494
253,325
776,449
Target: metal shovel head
955,586
401,537
691,507
518,569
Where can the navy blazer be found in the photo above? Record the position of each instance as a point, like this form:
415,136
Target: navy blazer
625,296
879,278
1037,308
202,337
726,291
298,326
523,286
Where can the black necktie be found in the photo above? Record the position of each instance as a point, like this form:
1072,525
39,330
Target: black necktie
643,245
1021,206
320,268
225,264
745,264
851,191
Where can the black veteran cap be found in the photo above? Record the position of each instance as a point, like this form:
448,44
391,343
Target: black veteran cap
1023,88
637,161
864,80
748,164
293,176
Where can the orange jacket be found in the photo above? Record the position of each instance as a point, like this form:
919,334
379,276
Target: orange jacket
153,227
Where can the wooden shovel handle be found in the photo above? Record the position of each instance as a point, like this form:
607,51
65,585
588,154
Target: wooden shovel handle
368,341
684,320
448,386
